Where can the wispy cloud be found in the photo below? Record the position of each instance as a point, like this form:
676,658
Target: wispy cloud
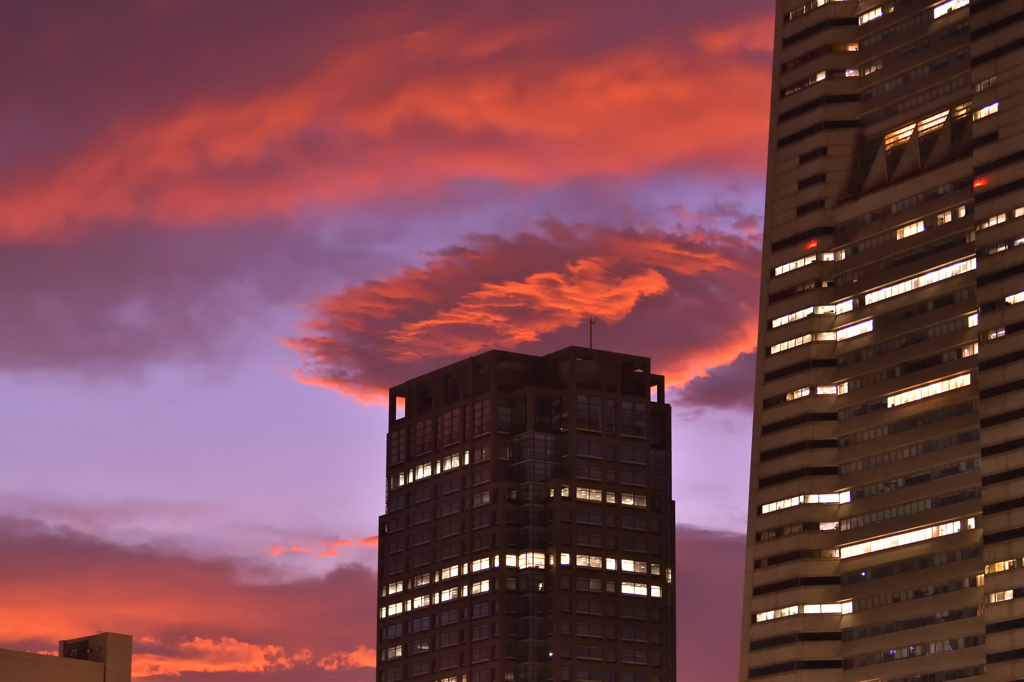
208,656
417,99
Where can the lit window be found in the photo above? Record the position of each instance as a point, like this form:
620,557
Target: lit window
630,500
910,230
450,462
928,390
481,564
589,561
828,525
996,333
450,572
589,494
449,594
986,111
932,123
959,111
899,136
656,591
949,6
1015,298
869,16
997,597
423,471
393,588
563,559
639,589
393,609
841,608
900,539
531,560
825,336
794,265
855,330
970,349
792,317
609,564
823,498
1000,566
844,306
791,343
630,566
798,393
481,587
994,220
923,280
421,601
972,320
392,652
421,580
944,218
835,389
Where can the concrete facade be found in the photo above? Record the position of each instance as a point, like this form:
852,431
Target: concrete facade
104,657
886,525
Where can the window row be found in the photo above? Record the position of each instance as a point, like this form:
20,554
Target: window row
609,497
841,334
589,652
923,280
928,390
804,609
425,600
906,538
921,592
821,498
613,564
908,480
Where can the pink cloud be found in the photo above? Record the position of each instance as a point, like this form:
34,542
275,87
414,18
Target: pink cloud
697,288
360,658
208,656
414,100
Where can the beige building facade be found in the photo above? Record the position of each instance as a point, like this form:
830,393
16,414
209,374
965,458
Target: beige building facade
104,657
886,526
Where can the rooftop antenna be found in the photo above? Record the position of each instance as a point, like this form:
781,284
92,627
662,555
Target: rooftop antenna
593,321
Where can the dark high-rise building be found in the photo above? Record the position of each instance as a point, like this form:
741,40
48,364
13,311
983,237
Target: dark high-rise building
886,526
529,531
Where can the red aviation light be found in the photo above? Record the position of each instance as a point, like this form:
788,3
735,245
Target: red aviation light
980,182
811,245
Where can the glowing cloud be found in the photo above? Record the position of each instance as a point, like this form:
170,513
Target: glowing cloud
208,656
415,100
532,289
360,658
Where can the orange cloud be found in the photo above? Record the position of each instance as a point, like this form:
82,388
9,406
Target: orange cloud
336,543
277,550
332,547
534,289
401,112
208,656
360,658
369,542
187,616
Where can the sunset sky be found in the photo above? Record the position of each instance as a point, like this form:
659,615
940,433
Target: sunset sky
227,227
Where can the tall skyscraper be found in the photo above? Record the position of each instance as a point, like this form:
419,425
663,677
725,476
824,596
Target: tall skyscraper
885,535
529,531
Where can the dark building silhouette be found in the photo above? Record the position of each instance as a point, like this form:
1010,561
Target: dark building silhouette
886,525
529,531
